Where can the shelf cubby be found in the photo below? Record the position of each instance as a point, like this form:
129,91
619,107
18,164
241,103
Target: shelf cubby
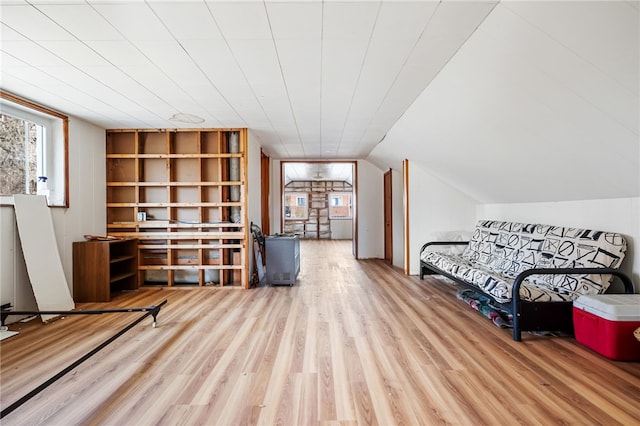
185,170
121,170
119,215
152,142
210,170
186,143
121,194
210,142
121,143
153,194
154,170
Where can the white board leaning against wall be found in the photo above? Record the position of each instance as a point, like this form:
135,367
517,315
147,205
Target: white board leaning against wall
41,255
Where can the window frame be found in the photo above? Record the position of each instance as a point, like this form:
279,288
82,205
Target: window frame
40,114
296,196
340,194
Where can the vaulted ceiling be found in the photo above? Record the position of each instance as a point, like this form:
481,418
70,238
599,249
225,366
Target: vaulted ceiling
507,101
311,79
542,103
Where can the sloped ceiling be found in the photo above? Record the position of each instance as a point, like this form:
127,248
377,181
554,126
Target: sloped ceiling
540,104
311,79
507,101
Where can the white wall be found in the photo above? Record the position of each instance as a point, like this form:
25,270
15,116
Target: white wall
254,201
86,214
341,229
253,179
370,211
276,201
434,207
620,215
397,213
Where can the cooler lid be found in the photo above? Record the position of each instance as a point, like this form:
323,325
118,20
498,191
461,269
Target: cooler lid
615,307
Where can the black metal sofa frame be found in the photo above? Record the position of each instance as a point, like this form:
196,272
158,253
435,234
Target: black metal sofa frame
527,315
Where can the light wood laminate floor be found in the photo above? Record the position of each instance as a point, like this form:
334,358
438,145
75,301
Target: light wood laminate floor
353,342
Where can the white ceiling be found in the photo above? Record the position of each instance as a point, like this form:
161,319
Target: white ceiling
311,79
341,171
510,101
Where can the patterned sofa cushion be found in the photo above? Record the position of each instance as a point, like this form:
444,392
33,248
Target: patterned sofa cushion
499,251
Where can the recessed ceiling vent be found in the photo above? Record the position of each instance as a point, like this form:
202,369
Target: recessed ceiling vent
183,117
318,174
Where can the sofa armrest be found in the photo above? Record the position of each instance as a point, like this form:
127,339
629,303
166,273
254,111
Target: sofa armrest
517,283
443,243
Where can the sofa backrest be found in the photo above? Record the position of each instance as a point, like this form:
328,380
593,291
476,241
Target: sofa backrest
511,247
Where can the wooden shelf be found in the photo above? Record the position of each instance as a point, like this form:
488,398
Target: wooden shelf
317,225
116,278
121,258
192,189
101,267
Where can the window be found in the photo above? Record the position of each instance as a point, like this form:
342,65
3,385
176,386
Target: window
33,151
295,206
340,205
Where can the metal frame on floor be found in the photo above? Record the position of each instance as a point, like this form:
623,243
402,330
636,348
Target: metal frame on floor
4,313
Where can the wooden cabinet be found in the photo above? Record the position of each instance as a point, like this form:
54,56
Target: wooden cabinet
182,194
100,267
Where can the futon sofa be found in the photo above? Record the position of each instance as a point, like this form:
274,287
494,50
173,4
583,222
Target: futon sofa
532,271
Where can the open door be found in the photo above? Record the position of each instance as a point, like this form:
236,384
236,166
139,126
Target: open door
405,197
265,184
388,219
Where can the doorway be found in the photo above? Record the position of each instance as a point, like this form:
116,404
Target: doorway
388,219
318,200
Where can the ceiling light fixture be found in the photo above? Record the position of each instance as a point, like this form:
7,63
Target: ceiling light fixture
318,174
183,117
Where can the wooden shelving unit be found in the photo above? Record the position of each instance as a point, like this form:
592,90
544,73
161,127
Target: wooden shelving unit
317,225
101,267
182,193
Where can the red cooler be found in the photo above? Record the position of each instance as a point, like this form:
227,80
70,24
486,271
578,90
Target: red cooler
606,322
